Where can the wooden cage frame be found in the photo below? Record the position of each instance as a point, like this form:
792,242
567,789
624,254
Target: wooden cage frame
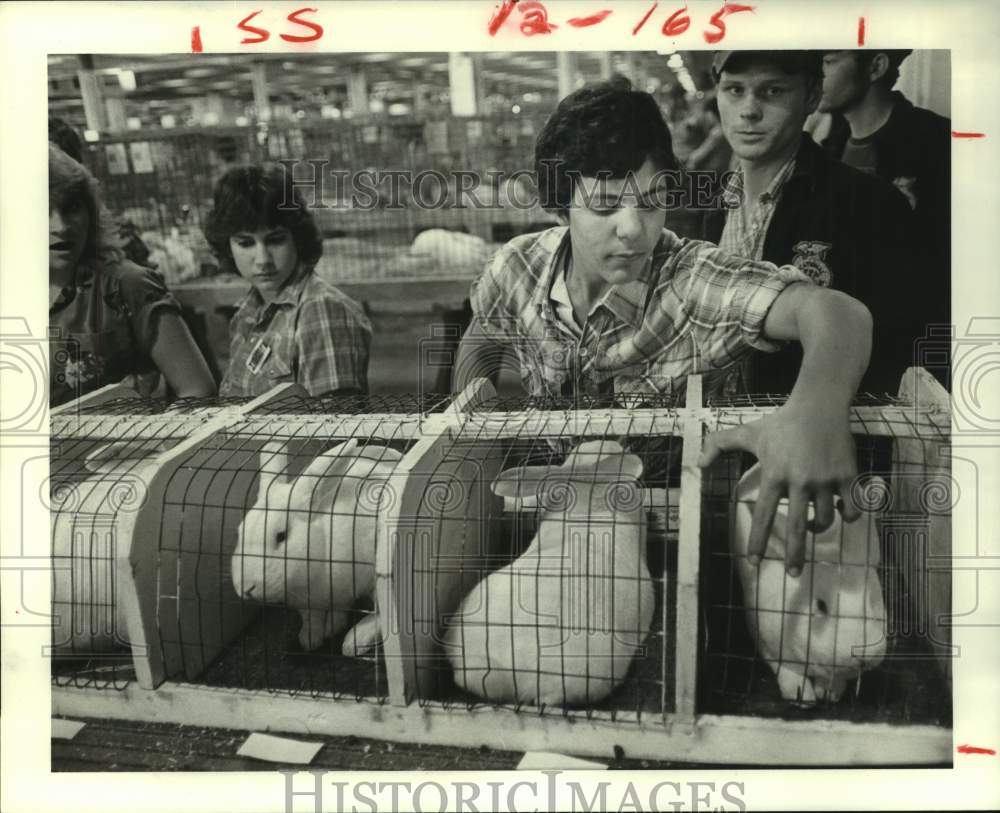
681,735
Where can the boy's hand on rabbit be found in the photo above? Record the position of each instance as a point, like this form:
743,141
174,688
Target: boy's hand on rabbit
806,454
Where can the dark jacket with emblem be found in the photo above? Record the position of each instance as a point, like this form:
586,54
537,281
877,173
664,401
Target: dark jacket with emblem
912,148
855,233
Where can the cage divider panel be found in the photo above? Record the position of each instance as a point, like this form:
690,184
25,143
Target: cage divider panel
174,636
438,533
475,393
411,538
399,530
103,395
172,575
90,517
923,544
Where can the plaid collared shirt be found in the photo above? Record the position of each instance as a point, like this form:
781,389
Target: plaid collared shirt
745,230
311,333
693,309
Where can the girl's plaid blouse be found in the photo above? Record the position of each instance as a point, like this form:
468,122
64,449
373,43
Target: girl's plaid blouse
312,334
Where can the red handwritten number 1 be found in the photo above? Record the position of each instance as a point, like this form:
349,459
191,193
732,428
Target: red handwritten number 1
712,37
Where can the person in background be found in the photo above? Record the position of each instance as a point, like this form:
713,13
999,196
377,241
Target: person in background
292,326
714,153
790,203
132,246
110,320
878,130
611,301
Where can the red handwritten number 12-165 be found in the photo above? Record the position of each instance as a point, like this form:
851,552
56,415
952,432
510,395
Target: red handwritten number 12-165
535,20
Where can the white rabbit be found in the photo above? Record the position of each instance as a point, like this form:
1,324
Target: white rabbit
87,545
562,623
821,630
310,542
451,249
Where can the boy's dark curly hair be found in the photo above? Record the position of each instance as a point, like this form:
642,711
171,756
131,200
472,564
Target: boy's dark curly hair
260,196
604,127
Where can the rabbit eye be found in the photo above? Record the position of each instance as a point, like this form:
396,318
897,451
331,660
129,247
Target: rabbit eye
280,537
821,606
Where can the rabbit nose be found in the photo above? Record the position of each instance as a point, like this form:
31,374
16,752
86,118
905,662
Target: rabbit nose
248,591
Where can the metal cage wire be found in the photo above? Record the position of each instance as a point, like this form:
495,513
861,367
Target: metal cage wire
448,531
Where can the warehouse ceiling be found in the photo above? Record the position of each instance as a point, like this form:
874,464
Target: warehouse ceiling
153,85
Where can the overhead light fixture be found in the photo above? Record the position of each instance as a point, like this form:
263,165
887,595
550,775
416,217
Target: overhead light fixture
126,79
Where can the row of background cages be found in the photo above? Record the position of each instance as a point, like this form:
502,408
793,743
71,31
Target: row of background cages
160,183
244,546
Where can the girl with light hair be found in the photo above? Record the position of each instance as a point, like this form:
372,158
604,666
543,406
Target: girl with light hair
109,319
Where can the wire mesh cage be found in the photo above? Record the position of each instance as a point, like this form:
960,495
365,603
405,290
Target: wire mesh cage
266,553
570,606
101,465
558,563
539,539
292,522
408,219
842,640
215,477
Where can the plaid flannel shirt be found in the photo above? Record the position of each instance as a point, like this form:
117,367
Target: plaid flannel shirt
694,309
744,231
312,334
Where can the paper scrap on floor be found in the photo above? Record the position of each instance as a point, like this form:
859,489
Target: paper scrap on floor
549,761
65,729
279,749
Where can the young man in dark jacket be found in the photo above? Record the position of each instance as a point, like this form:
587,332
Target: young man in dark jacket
878,130
789,203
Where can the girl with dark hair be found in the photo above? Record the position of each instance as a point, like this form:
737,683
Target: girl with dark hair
292,325
109,319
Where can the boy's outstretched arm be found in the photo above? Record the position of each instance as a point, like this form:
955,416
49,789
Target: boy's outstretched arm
805,448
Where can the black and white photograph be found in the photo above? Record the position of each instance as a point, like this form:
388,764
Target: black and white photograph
543,402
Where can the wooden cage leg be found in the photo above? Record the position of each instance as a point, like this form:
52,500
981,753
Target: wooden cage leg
688,553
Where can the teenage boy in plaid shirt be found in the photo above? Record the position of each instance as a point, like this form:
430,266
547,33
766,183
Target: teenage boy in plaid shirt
614,302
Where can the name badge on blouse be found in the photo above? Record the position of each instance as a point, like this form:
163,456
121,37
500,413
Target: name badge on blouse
258,355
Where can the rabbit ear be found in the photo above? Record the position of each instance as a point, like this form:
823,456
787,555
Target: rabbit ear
108,456
522,481
599,461
749,485
587,455
100,458
273,464
324,464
